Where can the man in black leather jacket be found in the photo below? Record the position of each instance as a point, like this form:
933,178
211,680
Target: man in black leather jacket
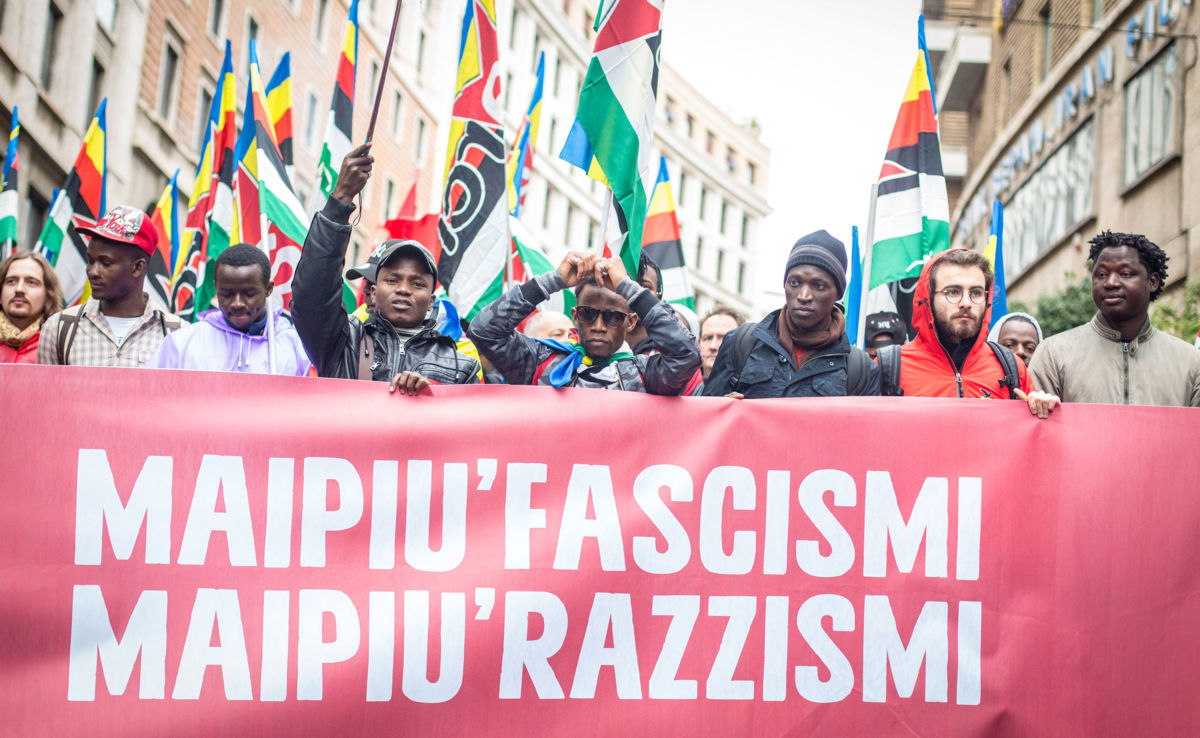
398,341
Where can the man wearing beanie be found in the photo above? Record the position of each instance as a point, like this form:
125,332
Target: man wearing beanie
118,326
800,350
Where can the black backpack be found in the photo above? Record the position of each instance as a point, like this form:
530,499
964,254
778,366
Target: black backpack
858,364
889,369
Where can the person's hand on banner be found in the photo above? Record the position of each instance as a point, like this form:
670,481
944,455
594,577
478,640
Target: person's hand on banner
609,272
409,383
1041,404
575,267
356,170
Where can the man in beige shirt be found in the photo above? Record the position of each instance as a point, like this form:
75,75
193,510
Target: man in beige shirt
1119,358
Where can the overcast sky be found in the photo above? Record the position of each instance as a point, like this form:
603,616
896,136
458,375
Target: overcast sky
824,79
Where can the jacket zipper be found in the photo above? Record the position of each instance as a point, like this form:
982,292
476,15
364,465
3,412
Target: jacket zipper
957,373
1125,347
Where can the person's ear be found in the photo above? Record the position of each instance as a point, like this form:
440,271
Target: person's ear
632,322
1155,280
139,266
270,288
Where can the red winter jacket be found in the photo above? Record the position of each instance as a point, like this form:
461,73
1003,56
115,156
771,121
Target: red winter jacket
926,369
26,353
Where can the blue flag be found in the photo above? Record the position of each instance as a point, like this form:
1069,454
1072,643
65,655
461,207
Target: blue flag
853,289
995,254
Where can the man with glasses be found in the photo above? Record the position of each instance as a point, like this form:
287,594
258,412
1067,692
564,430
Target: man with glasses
951,357
607,304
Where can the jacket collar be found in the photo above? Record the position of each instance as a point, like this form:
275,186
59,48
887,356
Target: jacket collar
767,332
1101,326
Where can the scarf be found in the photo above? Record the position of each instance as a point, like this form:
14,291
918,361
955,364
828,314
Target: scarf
806,345
565,370
14,336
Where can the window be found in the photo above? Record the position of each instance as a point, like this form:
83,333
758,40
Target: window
703,200
1097,11
690,125
507,88
553,137
168,75
720,264
724,215
36,208
546,207
388,192
710,141
593,230
216,17
202,111
741,282
310,120
557,74
50,45
397,102
96,91
537,41
699,251
420,51
669,110
751,172
570,226
319,21
374,80
417,153
588,22
682,187
745,232
1151,100
730,159
1006,75
1044,15
252,35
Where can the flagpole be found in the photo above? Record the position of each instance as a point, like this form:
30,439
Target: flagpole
387,58
508,264
264,244
608,201
869,245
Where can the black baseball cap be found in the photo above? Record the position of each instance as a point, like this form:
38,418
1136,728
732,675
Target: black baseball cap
880,323
385,251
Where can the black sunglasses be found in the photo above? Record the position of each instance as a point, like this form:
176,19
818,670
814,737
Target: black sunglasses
587,316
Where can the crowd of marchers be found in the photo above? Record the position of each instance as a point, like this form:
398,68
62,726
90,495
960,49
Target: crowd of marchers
620,335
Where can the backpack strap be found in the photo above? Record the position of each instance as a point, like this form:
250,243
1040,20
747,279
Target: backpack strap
68,326
741,352
1008,362
858,371
889,369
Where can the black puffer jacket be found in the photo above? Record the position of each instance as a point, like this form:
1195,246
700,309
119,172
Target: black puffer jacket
334,341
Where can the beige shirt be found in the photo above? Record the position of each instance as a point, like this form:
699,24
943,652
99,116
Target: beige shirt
94,343
1090,363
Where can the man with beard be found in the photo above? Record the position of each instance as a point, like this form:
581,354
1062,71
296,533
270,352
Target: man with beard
1118,357
29,295
951,357
801,349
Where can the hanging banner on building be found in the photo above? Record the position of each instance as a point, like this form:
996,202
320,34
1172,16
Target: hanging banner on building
209,554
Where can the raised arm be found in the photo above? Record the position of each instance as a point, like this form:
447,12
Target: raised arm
317,310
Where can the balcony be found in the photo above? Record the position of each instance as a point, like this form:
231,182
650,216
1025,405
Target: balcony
961,68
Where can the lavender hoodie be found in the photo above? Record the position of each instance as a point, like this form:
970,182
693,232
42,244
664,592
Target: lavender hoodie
210,344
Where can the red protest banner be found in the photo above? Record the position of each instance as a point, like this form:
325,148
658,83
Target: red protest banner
194,553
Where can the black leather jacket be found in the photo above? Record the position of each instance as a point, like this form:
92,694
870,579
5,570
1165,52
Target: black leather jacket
334,341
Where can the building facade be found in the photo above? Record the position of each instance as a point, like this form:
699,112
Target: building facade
157,62
718,167
1076,118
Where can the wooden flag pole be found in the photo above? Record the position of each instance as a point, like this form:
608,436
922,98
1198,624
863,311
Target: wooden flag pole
265,244
387,58
869,245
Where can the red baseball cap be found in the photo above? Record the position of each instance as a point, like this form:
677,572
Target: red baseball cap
127,225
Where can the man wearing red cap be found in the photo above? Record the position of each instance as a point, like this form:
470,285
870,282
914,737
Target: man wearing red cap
118,326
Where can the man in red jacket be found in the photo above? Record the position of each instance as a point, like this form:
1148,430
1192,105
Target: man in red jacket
29,293
951,357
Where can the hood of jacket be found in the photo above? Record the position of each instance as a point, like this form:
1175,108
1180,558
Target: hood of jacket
922,318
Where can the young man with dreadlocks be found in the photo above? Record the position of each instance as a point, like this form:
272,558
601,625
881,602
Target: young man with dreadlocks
1119,357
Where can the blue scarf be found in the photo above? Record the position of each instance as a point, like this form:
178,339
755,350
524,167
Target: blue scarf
575,356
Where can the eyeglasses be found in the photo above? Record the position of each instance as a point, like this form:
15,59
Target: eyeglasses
587,315
954,295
